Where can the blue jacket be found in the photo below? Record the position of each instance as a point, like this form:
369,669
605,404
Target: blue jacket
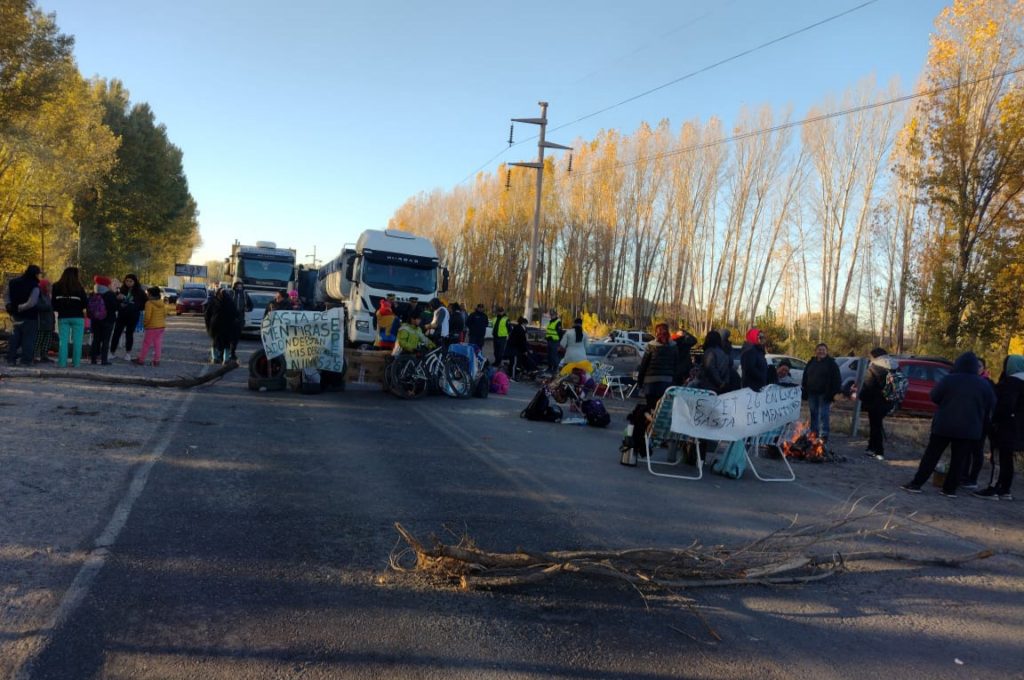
965,401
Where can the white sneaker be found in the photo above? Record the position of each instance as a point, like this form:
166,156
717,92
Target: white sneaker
127,356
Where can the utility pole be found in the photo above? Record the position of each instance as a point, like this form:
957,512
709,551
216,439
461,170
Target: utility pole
42,232
531,271
315,258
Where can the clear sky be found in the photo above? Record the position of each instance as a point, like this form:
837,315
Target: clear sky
305,122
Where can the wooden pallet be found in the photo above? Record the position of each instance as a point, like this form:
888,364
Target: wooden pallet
364,366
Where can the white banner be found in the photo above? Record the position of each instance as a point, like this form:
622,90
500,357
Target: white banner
306,339
734,415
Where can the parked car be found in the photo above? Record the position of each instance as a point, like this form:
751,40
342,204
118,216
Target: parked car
253,320
169,295
922,375
796,366
623,357
848,367
638,339
191,301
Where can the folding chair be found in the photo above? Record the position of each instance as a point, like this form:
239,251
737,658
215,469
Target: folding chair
614,384
752,446
660,430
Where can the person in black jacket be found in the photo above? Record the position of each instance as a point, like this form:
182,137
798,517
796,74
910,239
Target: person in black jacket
685,342
70,301
131,299
99,351
715,366
965,402
874,402
753,364
660,366
518,350
821,382
476,326
220,325
22,297
1007,426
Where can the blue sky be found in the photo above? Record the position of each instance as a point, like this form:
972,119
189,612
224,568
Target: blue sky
306,122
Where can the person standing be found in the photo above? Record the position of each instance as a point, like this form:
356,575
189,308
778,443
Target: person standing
715,366
69,301
476,326
44,336
22,297
278,304
457,323
220,325
1007,426
821,382
660,366
131,300
874,402
553,334
153,322
965,402
102,308
574,344
439,327
519,350
753,364
500,335
685,342
243,305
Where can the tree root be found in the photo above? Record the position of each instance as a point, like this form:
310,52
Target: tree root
182,382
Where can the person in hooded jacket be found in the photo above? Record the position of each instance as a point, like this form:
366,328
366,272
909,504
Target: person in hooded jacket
685,342
220,318
131,300
22,297
476,326
519,349
715,366
753,364
1007,426
243,305
660,366
965,402
99,350
874,402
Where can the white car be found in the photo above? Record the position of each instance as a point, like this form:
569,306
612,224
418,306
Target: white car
260,300
638,339
797,366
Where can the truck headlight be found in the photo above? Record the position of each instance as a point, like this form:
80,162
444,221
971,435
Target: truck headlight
362,325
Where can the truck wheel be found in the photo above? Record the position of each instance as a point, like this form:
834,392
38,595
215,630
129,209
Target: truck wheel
261,367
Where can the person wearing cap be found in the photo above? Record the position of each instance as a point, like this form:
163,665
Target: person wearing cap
874,402
753,364
101,328
22,296
293,299
47,323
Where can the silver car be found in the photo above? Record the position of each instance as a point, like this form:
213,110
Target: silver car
625,358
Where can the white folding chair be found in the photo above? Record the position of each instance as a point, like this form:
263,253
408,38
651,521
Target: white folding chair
752,447
660,430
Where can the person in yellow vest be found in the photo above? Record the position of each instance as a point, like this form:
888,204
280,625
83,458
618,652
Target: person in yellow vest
386,328
500,335
553,334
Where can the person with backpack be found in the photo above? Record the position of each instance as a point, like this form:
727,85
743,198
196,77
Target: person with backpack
102,307
874,400
821,383
154,322
476,326
965,402
660,366
1007,426
70,303
131,299
22,297
44,336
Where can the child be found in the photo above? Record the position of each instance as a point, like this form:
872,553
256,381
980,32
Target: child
154,322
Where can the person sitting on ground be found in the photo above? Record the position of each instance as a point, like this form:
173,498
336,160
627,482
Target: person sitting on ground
410,338
715,366
660,366
965,402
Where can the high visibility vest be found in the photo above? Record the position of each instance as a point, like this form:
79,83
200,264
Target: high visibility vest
501,327
552,332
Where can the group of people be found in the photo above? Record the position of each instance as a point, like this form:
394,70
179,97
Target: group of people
225,319
432,324
37,311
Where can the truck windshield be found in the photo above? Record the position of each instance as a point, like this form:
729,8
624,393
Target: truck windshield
264,272
402,278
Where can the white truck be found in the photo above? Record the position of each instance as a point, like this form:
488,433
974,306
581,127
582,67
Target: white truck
380,263
263,269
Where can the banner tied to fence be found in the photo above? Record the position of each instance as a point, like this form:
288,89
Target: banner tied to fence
306,339
734,415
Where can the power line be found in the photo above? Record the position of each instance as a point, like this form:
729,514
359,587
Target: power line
798,123
680,79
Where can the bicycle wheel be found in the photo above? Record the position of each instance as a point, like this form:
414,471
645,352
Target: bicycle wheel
458,377
407,380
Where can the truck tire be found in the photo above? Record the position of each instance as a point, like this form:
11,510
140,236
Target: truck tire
261,367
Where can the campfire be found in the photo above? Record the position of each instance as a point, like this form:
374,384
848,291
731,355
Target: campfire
805,445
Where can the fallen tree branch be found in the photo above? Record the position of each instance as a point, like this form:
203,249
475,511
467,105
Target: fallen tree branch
182,382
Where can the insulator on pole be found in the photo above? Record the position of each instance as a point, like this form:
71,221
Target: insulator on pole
511,128
570,162
508,179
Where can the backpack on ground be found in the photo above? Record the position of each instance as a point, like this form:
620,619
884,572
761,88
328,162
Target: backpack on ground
894,390
595,413
733,462
499,383
482,386
540,408
97,307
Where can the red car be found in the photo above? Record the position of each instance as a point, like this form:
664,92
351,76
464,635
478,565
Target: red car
922,375
191,301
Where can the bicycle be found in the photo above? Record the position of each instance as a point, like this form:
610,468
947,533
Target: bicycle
410,374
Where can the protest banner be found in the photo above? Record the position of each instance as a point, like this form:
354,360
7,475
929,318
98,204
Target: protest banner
306,339
734,415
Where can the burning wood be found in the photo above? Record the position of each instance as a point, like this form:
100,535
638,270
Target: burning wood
805,445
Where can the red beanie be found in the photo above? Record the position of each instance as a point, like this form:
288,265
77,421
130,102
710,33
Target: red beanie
752,336
101,280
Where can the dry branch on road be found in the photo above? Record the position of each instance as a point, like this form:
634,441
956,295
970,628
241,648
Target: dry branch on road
182,382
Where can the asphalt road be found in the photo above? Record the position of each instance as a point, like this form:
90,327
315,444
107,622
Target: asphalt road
259,545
